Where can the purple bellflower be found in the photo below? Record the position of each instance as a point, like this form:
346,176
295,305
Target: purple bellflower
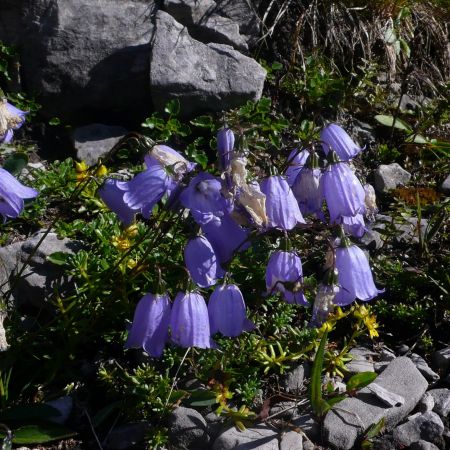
189,321
281,206
296,161
227,312
342,191
354,225
12,194
284,274
146,189
201,261
354,275
225,236
112,193
225,146
335,138
11,118
150,328
169,158
203,197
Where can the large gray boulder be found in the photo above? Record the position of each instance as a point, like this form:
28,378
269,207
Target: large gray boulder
351,417
203,77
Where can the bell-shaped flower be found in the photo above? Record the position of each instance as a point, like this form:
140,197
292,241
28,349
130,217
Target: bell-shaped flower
354,225
170,159
334,137
225,148
354,275
112,193
225,235
227,312
203,197
282,208
146,189
296,161
150,328
342,191
323,303
306,189
12,194
202,263
11,118
189,321
284,274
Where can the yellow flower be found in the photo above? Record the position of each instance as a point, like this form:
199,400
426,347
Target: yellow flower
371,324
101,171
121,242
131,231
81,168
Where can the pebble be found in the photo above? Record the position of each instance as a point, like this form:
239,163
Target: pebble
441,399
427,427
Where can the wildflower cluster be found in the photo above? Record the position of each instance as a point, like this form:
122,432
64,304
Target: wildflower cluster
232,210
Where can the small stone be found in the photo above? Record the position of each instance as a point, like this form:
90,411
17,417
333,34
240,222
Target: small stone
372,240
215,424
387,397
427,426
291,441
445,186
309,426
441,360
424,368
362,360
387,354
426,403
294,380
390,176
423,445
285,410
308,445
259,437
187,428
441,399
128,435
95,141
64,406
380,366
402,349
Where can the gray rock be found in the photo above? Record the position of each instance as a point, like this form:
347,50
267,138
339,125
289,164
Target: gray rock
291,441
259,437
387,354
215,425
362,360
87,58
445,186
409,232
427,426
205,24
285,410
3,341
128,435
380,366
342,428
64,406
204,77
390,176
424,368
372,239
426,403
423,445
308,445
308,425
441,360
95,141
362,132
187,428
441,399
37,284
293,381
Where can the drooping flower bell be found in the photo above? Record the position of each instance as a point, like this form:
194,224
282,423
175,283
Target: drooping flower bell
225,148
203,197
150,327
189,321
112,192
354,225
12,194
306,188
11,118
342,191
284,274
202,263
170,159
225,236
296,161
227,312
335,138
354,275
282,208
146,189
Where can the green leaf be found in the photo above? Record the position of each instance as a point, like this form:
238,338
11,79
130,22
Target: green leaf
360,380
389,36
58,258
15,163
41,434
318,404
29,413
276,66
375,429
389,122
54,121
173,107
202,398
417,139
203,122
